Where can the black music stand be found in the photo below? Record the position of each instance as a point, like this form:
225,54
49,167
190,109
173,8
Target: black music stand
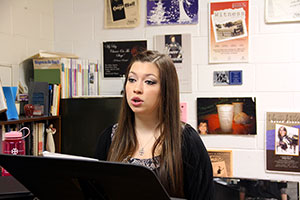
65,178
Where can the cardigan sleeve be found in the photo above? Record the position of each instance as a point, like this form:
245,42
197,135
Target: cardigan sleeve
198,175
103,144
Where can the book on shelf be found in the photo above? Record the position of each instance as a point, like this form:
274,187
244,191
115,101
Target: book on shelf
41,138
78,77
39,97
55,100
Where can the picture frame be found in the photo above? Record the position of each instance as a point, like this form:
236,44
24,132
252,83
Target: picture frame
221,162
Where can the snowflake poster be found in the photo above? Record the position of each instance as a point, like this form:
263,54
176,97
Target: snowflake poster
165,12
228,32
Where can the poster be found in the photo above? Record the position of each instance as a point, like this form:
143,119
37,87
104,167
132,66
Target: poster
235,116
277,11
117,56
282,142
221,161
178,47
121,13
165,12
228,32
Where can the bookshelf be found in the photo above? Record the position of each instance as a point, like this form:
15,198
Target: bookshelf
55,120
11,187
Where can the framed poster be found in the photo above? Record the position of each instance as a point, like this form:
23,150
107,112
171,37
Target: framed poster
228,31
221,161
282,142
277,11
235,116
178,47
165,12
117,56
121,13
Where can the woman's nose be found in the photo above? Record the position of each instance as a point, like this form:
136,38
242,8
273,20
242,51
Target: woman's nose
138,88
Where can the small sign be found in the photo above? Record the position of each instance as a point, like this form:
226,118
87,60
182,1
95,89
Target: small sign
228,78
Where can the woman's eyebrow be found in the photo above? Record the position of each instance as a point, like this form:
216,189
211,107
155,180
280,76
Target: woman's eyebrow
146,75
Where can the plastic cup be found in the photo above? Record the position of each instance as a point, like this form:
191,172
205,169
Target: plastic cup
225,113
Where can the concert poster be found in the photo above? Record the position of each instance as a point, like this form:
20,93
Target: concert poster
171,12
221,161
228,32
121,13
282,142
178,47
117,56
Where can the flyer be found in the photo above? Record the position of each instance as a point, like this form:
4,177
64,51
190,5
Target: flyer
221,161
278,11
166,12
282,142
178,47
117,56
228,32
121,13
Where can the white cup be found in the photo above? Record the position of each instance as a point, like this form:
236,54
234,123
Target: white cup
237,107
225,113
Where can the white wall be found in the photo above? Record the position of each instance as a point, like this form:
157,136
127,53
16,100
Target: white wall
26,26
270,75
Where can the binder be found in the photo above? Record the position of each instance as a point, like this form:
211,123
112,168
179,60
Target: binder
10,94
39,95
77,179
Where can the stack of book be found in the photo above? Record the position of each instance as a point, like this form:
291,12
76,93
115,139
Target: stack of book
77,77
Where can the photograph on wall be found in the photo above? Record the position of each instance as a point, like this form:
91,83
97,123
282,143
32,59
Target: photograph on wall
221,161
178,47
117,56
166,12
228,32
236,116
277,11
121,13
282,142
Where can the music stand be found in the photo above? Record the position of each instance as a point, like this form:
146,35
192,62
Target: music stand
65,178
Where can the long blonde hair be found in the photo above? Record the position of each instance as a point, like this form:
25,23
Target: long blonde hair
125,142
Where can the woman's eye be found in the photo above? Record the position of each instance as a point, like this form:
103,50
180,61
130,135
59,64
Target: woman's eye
131,80
149,82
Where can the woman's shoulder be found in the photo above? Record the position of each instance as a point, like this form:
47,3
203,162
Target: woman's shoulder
108,132
191,140
189,133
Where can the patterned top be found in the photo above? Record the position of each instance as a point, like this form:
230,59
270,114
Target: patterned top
197,170
151,163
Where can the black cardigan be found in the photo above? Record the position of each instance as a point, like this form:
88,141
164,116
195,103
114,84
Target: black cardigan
198,179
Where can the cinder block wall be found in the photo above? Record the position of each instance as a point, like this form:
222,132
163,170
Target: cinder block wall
76,26
270,75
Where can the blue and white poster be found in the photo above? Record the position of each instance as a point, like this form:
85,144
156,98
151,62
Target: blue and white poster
165,12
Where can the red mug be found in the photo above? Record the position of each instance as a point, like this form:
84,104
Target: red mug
29,108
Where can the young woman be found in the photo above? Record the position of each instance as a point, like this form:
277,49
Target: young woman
149,131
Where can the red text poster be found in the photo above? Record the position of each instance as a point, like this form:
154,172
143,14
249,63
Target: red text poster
228,32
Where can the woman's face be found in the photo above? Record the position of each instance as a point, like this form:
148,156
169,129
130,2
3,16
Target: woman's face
282,132
143,88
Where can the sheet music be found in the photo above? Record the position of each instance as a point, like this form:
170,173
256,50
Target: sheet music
67,156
